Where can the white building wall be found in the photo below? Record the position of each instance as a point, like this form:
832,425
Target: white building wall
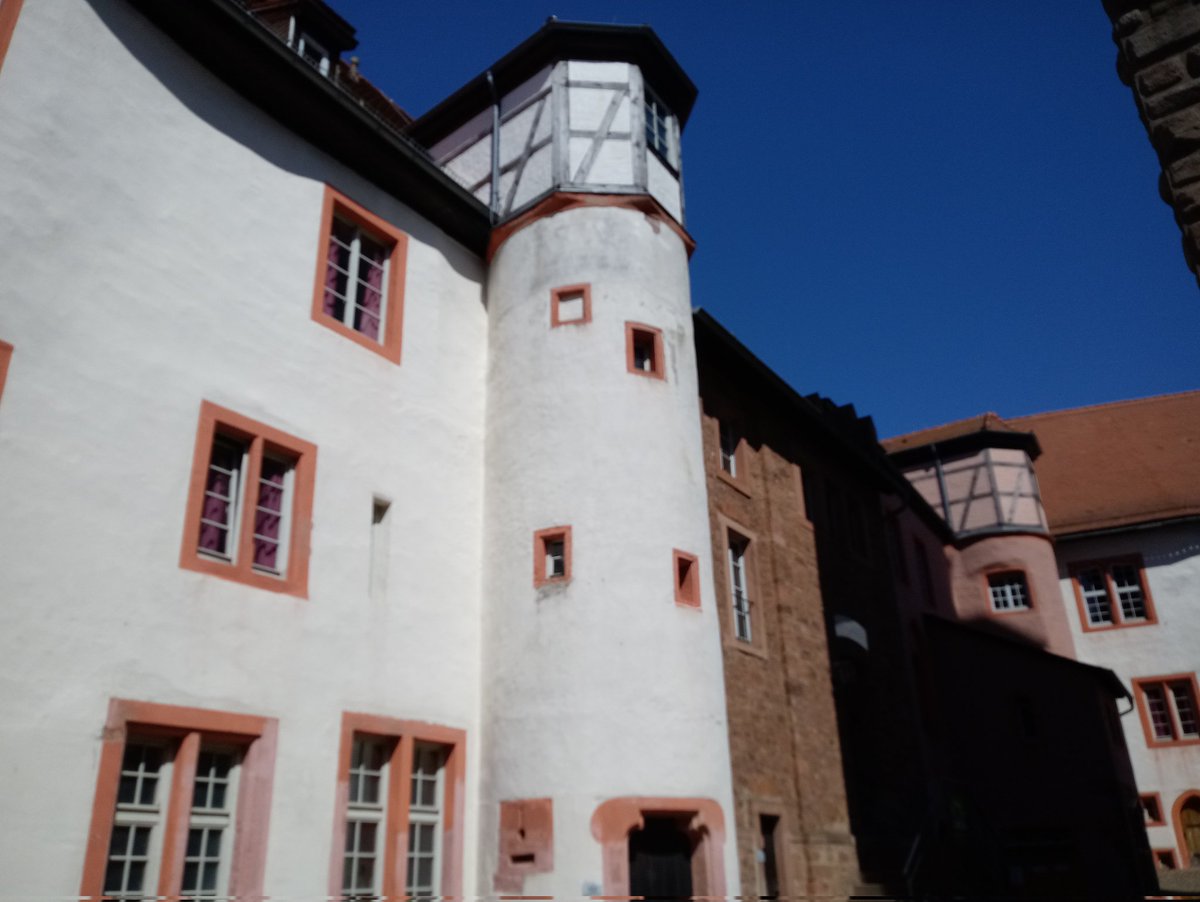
1172,565
602,687
160,240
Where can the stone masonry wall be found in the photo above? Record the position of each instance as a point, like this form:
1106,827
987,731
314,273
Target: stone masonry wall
1158,56
785,751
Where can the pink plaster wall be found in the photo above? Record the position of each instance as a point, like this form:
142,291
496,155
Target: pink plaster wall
1046,620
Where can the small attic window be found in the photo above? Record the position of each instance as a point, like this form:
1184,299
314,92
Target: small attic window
312,51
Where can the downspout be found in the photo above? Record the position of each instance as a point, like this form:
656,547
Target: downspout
494,201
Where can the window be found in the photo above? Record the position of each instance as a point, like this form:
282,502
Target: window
571,305
552,555
250,503
730,441
1008,591
399,777
1112,594
768,857
1168,709
1151,803
360,276
740,598
171,800
687,579
313,52
1164,859
660,129
644,350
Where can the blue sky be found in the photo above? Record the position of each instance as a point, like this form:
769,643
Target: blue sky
928,209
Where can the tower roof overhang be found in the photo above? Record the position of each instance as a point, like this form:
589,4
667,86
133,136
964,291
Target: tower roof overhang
554,41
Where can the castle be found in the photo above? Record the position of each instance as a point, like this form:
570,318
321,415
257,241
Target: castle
381,520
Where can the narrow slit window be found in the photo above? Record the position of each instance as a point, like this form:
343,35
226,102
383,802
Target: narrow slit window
740,598
729,447
381,524
687,579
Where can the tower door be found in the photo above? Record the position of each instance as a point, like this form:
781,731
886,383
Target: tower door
660,860
1189,820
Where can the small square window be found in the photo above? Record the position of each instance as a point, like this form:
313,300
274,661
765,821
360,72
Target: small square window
1151,803
644,350
360,276
1008,591
571,305
687,579
552,555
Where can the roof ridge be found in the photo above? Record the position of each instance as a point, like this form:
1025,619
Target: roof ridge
982,417
1124,402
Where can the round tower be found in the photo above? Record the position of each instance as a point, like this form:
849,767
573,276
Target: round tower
605,752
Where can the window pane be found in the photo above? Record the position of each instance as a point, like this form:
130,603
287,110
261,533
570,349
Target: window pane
1185,707
1095,596
1129,592
1160,717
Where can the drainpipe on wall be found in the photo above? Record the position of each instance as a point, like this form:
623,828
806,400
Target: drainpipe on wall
494,201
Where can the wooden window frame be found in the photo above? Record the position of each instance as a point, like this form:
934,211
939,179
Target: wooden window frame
557,295
1165,682
259,439
185,728
989,575
1156,799
337,205
541,539
686,570
1105,567
657,361
403,736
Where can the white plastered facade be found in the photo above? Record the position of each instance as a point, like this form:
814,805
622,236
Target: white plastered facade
161,237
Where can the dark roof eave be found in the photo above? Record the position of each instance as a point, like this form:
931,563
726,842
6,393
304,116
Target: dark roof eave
964,444
250,59
556,41
885,475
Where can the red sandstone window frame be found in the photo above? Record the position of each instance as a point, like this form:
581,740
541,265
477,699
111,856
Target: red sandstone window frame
1165,859
584,291
1166,684
6,352
9,11
541,540
339,206
1148,799
636,333
184,728
989,575
1105,566
686,568
404,735
259,439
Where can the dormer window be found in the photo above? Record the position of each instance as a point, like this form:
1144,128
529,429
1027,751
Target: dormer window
660,129
312,51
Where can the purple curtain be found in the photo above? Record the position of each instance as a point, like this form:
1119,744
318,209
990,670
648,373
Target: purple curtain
213,537
331,278
268,518
372,291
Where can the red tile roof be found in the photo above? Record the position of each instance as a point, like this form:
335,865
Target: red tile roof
984,422
1118,464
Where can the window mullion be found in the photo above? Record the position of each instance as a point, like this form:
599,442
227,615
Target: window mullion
352,286
395,873
1114,601
245,556
175,820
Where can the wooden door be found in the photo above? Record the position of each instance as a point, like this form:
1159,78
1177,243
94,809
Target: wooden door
1189,821
660,860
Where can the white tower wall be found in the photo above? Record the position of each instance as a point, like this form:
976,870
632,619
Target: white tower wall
602,687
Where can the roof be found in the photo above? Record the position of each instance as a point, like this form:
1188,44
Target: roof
1119,464
962,436
555,41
